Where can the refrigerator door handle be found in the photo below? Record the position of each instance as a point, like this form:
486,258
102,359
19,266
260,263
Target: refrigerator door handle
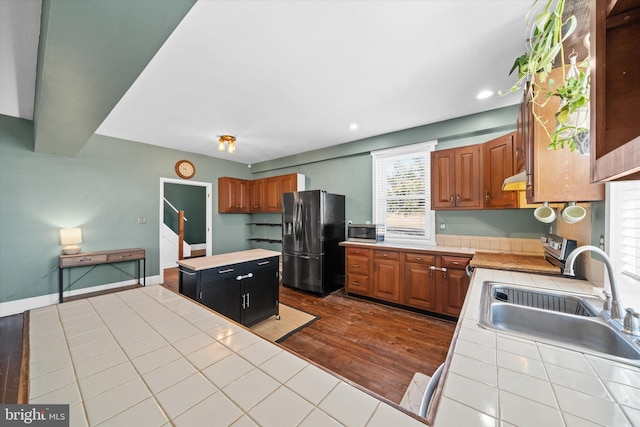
307,256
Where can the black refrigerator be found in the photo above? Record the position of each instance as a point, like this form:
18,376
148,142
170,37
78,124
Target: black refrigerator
312,226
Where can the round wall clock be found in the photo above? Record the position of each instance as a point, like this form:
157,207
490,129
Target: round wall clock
185,169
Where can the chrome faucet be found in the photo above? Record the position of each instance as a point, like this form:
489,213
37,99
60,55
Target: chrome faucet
616,305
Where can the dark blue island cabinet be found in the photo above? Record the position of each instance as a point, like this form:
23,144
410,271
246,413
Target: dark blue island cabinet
243,286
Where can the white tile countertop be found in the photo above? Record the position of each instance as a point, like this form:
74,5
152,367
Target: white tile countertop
150,357
499,379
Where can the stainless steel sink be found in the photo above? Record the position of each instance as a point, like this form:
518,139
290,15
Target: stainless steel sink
559,318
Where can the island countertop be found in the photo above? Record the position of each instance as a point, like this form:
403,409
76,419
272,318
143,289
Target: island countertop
213,261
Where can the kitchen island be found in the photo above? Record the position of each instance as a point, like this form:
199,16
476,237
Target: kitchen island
243,286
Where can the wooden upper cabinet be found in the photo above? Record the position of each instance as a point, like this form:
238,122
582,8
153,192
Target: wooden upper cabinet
498,164
615,90
273,189
469,177
257,195
233,195
556,175
262,195
443,179
456,178
273,195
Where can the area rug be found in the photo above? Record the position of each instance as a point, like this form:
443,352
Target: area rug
291,321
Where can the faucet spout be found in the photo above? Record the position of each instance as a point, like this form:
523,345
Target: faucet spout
616,305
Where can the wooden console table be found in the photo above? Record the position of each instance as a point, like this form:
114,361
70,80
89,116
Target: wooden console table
94,259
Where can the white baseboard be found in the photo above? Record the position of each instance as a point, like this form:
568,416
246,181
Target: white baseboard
22,305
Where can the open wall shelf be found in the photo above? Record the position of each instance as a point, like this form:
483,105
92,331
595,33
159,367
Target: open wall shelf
256,239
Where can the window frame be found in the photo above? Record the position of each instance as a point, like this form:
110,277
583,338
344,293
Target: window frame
629,288
422,148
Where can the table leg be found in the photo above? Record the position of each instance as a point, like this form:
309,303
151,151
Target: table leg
60,297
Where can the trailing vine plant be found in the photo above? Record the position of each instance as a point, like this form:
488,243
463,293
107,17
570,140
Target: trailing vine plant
547,32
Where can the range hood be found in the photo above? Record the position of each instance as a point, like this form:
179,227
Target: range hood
517,182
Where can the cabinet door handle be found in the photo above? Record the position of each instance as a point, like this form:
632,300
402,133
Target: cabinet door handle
228,270
451,198
244,298
457,198
356,266
356,283
263,263
246,276
247,299
486,196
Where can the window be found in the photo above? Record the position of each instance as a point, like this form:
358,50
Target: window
402,193
623,211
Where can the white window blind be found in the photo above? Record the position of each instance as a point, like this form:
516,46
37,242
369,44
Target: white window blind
402,193
624,238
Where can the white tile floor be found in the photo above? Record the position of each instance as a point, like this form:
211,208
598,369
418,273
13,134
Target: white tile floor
150,357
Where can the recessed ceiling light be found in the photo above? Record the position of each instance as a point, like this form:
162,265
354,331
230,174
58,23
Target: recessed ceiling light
484,94
353,126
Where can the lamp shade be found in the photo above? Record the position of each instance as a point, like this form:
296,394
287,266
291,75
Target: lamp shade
68,238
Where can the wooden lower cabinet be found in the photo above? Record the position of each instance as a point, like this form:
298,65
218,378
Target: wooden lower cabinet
455,283
386,276
421,280
357,267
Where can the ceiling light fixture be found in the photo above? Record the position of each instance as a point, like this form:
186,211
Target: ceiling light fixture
227,142
353,126
484,94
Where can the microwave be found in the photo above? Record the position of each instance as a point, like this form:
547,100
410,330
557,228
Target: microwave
365,233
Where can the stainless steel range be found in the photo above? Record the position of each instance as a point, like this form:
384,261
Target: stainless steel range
557,249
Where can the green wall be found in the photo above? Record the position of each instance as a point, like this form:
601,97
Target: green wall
191,200
351,174
112,182
103,190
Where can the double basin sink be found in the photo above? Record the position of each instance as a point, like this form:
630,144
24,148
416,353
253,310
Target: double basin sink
558,318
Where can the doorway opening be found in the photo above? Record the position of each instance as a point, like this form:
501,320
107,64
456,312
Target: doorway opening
194,200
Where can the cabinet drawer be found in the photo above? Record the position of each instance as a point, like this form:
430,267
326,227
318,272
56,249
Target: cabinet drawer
222,272
358,264
358,283
386,254
82,260
359,251
261,264
454,261
420,258
124,256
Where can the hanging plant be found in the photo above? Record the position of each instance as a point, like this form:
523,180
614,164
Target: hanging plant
572,118
547,32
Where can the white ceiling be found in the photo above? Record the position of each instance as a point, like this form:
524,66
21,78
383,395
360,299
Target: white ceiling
287,77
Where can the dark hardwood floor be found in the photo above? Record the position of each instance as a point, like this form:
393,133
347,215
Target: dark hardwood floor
370,344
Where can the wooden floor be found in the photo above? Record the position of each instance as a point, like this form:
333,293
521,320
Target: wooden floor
373,345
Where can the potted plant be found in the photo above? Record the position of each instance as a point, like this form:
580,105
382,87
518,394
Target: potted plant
572,118
548,32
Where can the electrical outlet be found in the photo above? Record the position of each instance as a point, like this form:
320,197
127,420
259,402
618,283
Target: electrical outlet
443,226
142,220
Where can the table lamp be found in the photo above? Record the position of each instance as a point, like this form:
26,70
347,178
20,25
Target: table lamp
69,237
